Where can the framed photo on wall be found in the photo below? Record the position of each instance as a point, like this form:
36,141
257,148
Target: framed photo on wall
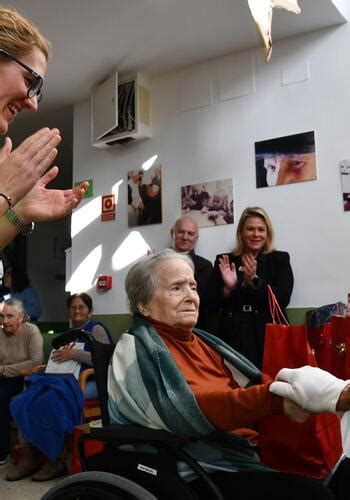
209,203
345,183
145,196
285,160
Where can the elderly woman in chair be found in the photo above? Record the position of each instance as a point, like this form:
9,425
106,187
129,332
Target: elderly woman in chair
21,348
167,375
52,404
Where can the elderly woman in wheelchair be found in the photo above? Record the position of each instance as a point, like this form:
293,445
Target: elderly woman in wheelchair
165,374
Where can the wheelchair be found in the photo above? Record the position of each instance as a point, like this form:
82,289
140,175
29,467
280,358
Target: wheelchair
136,463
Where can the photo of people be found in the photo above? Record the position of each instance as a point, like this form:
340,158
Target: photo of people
145,196
209,203
285,160
345,183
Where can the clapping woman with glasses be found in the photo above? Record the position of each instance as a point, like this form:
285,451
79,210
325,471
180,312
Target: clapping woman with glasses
24,54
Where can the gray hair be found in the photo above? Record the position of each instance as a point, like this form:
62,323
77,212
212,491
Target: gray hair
18,304
142,278
184,217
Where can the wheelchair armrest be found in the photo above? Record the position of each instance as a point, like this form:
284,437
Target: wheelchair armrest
134,435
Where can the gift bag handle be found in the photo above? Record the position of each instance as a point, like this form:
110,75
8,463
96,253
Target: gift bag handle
278,318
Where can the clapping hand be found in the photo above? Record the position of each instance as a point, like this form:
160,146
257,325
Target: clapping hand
228,274
249,267
42,204
20,169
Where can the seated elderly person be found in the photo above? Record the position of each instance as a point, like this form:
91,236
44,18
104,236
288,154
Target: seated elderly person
166,375
21,348
51,406
80,310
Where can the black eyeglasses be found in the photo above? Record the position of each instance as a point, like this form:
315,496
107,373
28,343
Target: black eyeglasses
78,308
34,89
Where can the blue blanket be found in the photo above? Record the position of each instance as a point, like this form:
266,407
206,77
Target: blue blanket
49,407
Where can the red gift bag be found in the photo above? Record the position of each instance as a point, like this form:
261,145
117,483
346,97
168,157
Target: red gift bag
320,340
286,346
324,348
319,333
340,332
311,448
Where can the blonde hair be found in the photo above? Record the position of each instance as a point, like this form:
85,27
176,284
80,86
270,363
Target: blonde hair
19,36
253,212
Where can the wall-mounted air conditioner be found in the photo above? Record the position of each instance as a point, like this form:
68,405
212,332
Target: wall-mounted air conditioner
120,110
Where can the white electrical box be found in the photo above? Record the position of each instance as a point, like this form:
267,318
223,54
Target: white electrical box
120,110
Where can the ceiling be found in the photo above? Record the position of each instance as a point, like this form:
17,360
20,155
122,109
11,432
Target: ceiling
91,38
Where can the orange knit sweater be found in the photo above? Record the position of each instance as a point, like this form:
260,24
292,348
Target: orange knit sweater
227,406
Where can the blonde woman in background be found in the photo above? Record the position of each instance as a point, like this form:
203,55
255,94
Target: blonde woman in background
239,285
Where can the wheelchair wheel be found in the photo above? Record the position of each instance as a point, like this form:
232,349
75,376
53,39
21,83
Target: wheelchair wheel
95,485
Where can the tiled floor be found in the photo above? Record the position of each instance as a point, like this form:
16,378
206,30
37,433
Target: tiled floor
26,489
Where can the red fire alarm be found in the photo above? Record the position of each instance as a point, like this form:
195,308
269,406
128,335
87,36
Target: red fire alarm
104,282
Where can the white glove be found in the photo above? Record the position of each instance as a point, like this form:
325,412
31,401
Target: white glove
311,388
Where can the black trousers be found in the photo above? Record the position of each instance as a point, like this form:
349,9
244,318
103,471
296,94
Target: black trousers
267,486
9,387
339,483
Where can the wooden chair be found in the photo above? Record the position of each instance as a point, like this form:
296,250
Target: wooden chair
91,408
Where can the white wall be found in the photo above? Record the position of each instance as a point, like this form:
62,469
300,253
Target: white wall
343,7
217,141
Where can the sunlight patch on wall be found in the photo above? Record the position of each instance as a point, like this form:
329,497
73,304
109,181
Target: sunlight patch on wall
83,216
115,190
131,249
148,163
82,278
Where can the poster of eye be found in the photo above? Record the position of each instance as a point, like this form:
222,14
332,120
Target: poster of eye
345,183
285,160
209,203
145,196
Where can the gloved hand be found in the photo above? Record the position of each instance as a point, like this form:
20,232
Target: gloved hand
311,388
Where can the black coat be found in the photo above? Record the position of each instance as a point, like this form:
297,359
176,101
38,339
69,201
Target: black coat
245,330
202,273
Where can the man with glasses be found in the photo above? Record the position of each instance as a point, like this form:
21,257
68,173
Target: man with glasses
24,198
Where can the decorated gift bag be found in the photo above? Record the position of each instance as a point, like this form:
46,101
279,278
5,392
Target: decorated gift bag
340,333
319,316
324,349
319,334
311,448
